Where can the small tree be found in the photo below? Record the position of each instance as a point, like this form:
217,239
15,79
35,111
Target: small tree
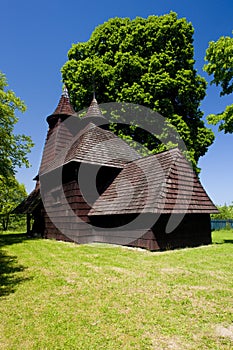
219,55
11,194
13,148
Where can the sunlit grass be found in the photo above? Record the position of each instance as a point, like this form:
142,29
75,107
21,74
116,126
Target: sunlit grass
57,295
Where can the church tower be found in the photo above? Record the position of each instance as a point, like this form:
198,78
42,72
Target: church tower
59,135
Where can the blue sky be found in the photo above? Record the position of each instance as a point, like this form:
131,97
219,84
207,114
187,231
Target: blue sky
35,39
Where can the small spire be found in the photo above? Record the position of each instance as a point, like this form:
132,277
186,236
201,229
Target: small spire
65,91
93,85
93,109
64,106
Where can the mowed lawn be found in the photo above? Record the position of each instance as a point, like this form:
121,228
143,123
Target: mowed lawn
57,295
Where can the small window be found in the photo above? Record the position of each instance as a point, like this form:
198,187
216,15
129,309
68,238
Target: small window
56,196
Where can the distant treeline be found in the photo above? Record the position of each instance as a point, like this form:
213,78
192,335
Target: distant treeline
225,212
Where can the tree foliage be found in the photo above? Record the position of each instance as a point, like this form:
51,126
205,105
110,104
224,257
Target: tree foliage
11,194
147,62
13,148
219,55
225,212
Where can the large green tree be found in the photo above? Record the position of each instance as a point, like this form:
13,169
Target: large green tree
13,148
143,61
219,55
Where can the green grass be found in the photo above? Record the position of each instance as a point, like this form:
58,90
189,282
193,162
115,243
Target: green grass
56,295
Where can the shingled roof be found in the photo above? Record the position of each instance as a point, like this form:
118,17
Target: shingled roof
161,183
29,204
63,110
64,106
93,115
59,134
94,145
57,140
94,109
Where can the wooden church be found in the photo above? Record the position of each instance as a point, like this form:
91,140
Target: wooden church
93,187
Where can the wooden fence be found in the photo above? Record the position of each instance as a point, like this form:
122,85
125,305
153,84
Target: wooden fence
221,224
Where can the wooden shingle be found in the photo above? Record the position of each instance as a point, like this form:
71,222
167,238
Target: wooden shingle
58,138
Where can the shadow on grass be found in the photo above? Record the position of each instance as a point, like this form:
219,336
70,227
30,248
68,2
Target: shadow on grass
12,238
228,241
10,270
224,241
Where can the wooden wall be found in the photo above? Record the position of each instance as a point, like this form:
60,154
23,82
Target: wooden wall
194,230
66,215
67,218
59,220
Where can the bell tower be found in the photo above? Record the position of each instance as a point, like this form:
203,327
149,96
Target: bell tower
58,135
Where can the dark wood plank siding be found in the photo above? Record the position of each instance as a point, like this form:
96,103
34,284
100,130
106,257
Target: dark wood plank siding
194,230
67,214
60,223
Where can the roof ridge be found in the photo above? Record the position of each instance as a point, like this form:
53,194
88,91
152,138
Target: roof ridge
155,154
88,127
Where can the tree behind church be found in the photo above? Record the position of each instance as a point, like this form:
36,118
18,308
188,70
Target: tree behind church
148,62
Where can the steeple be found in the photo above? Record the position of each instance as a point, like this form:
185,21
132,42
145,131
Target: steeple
60,133
94,115
63,110
93,109
64,106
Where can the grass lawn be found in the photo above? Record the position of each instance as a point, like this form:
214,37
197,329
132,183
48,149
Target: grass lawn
56,295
